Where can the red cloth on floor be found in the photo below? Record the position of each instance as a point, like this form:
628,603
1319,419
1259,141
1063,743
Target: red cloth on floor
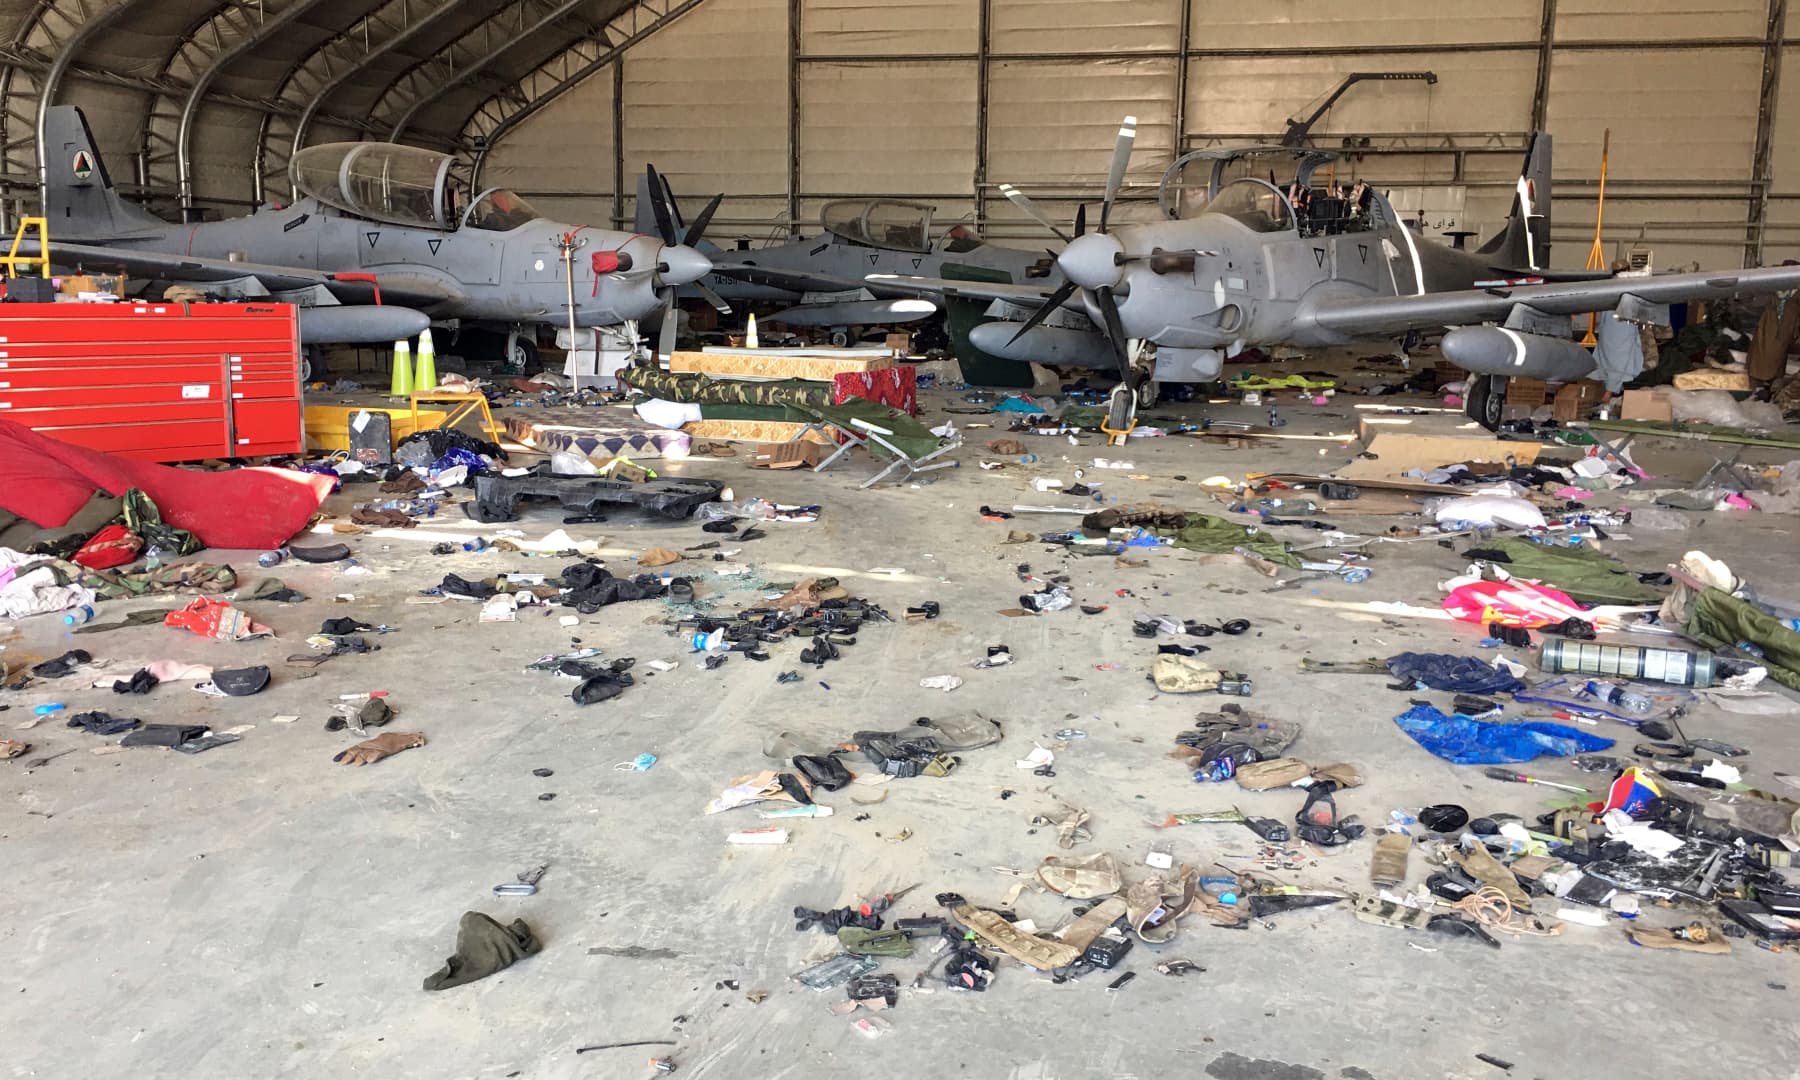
112,546
46,481
896,387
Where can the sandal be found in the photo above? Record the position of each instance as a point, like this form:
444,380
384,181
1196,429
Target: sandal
1082,879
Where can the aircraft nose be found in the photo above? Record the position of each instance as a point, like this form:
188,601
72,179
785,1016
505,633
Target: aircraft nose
1090,260
684,265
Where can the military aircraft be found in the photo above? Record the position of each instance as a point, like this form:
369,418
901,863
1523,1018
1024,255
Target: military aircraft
821,281
1344,270
384,243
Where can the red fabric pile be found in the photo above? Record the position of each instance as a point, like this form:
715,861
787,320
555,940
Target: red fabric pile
46,481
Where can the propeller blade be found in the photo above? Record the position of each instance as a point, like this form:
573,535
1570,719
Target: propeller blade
665,338
1115,330
713,298
1018,199
698,229
1062,293
1121,158
665,227
1080,218
669,200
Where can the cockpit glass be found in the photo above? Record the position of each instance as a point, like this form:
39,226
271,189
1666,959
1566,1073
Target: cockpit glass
1254,204
379,181
500,210
899,226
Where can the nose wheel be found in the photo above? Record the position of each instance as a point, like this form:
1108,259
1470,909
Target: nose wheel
1136,390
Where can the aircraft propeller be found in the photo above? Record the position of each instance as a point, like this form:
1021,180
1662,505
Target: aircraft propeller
666,215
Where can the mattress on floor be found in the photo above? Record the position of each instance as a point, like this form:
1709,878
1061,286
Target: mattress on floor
816,367
596,433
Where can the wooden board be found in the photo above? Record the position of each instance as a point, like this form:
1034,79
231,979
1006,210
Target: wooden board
756,364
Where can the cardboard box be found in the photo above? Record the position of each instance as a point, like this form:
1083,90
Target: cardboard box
1574,400
788,455
900,344
1652,404
1529,392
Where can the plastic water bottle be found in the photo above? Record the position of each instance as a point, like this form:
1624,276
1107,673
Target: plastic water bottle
78,615
272,558
1613,694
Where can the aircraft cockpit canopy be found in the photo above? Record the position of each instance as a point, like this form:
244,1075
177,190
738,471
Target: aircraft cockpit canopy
882,223
499,210
1254,203
400,185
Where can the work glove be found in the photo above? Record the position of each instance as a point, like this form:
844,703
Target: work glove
380,746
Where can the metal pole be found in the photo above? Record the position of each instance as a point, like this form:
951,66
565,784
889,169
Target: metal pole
1546,46
983,24
1762,171
618,141
793,137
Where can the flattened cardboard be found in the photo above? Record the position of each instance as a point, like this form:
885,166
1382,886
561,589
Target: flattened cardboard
787,455
1396,453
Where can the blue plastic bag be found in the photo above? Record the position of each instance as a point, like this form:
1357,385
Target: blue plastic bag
1466,741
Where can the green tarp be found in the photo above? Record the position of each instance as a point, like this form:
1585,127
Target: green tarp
1719,621
1584,573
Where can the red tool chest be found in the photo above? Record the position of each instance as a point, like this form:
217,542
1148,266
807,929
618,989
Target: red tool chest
163,382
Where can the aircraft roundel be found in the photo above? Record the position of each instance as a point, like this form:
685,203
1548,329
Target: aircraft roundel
83,165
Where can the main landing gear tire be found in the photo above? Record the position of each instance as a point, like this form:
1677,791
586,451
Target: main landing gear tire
1485,400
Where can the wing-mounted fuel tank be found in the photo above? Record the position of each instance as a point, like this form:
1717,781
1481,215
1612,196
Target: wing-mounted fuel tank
1496,350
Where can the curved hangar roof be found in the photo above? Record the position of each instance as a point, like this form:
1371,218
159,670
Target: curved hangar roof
201,103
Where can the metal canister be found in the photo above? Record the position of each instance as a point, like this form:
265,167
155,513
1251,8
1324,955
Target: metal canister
1676,667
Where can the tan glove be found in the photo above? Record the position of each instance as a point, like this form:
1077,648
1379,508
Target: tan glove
380,746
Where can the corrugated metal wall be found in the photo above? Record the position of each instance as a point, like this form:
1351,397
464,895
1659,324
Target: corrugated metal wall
783,104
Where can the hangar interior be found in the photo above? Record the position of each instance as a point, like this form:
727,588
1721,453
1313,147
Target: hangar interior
784,104
1311,635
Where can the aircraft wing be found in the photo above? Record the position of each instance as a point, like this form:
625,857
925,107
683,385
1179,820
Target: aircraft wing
1028,296
800,281
400,287
1395,314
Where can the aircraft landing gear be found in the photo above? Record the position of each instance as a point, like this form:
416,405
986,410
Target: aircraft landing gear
521,352
840,338
1485,400
1137,391
311,357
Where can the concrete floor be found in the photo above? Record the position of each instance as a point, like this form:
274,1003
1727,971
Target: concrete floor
260,911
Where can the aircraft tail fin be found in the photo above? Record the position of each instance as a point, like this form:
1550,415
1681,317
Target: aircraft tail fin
80,201
1525,242
644,216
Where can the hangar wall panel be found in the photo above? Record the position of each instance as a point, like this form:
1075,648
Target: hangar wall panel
1649,20
1480,91
565,147
1682,232
1688,113
926,138
873,27
1231,24
1784,236
1100,26
1054,122
1785,158
706,101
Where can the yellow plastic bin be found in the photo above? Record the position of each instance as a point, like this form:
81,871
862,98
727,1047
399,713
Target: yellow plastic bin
328,426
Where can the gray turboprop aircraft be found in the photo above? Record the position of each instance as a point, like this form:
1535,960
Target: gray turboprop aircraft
822,280
385,243
1251,270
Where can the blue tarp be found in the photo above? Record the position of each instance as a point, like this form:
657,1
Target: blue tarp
1458,674
1466,741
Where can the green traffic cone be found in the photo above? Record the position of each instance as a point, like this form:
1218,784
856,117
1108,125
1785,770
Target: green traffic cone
401,384
427,376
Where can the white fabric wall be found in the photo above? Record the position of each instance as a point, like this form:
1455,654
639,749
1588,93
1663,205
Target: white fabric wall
887,98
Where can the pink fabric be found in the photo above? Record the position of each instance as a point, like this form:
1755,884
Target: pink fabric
1512,603
45,481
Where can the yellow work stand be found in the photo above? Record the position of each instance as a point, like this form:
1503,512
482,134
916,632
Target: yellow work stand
466,405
